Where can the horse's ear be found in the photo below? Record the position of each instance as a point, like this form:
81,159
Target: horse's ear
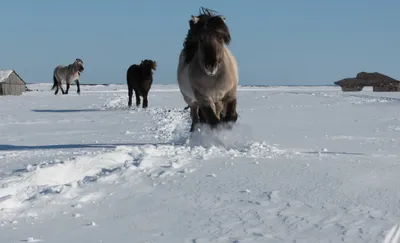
195,19
223,18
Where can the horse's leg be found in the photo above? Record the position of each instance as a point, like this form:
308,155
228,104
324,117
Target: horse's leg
78,87
145,100
210,114
130,93
194,114
218,109
208,108
137,95
222,114
56,90
231,114
62,90
68,86
202,119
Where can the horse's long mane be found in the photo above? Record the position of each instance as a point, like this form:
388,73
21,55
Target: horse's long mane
209,25
147,66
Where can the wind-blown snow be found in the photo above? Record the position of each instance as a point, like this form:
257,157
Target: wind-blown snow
303,164
4,74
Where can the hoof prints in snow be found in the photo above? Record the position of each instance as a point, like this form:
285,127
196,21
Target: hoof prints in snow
116,102
169,125
175,147
266,216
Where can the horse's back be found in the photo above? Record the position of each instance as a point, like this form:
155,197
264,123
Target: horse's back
134,76
60,72
59,67
132,72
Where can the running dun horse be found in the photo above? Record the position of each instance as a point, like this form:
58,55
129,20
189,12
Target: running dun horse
68,74
207,71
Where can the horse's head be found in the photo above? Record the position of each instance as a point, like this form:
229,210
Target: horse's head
148,65
211,33
79,65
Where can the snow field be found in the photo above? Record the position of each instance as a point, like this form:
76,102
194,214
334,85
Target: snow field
301,165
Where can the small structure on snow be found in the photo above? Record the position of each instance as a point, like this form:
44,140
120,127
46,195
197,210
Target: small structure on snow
11,83
378,81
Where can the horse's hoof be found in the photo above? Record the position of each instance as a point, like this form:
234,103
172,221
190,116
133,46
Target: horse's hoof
227,125
232,118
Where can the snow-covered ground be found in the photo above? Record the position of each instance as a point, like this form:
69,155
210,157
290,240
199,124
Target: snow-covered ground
303,164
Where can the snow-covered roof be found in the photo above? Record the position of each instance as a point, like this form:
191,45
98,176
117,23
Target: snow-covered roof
4,74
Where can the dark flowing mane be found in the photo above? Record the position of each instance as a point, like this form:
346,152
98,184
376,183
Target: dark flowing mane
147,66
209,25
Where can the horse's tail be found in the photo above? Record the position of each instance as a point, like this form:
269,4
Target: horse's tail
55,82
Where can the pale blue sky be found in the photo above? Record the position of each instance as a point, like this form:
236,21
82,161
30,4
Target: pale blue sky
275,42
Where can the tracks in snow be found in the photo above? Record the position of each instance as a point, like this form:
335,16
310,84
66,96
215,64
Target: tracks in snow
55,181
255,216
174,148
266,216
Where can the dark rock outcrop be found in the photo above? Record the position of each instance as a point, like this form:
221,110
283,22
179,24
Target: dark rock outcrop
378,81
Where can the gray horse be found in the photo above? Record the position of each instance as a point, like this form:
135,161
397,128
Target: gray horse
207,71
68,74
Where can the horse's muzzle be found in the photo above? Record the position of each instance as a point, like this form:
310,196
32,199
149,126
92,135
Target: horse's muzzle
81,69
211,71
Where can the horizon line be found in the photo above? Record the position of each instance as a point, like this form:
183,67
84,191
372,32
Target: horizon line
242,85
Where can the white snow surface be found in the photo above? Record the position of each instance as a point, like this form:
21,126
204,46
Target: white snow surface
4,74
302,164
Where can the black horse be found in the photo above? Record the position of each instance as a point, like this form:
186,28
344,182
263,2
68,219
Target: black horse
139,78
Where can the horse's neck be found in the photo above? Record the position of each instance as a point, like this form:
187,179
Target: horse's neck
147,73
70,67
228,56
